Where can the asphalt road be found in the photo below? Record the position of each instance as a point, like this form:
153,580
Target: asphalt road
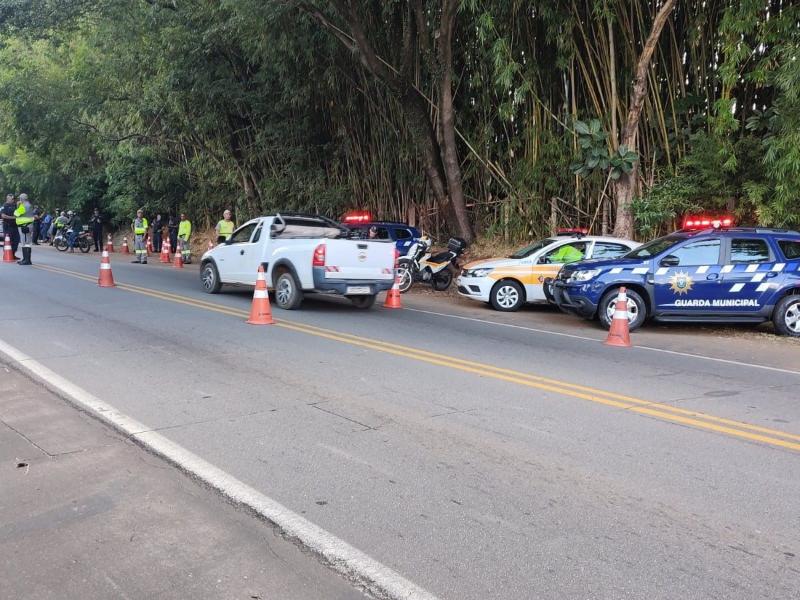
479,455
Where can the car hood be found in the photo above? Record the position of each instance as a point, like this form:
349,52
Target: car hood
492,263
602,263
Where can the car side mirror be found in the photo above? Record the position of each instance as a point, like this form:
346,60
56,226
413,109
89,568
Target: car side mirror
670,261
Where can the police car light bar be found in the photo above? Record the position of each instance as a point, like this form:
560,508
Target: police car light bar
695,223
573,231
358,217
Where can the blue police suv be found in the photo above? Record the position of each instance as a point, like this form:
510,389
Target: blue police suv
710,273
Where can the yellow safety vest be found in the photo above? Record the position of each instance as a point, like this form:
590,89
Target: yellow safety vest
184,229
142,229
225,228
24,214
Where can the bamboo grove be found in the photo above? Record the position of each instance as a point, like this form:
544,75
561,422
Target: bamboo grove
495,118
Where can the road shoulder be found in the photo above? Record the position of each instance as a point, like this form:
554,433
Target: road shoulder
85,513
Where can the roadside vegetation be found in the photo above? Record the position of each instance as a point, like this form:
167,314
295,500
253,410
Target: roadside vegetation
492,118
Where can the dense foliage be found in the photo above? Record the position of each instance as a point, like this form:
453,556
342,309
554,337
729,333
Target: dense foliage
514,111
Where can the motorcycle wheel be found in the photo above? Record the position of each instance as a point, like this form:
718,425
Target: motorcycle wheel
442,280
85,245
405,275
60,244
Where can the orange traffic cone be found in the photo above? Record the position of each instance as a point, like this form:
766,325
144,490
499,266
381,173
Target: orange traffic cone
260,312
8,253
149,246
165,251
393,296
106,278
125,249
110,245
619,333
178,262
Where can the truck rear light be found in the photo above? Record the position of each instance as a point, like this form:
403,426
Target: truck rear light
319,256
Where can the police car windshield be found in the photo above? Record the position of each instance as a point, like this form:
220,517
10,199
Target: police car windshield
528,250
655,247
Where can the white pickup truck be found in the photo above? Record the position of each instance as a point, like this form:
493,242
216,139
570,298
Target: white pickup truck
301,254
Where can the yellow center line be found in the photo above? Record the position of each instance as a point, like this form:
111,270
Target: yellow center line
658,410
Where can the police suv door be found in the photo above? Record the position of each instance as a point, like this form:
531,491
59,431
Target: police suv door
688,277
750,274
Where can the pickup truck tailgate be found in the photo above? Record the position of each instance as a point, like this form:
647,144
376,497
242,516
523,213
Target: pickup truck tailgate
355,260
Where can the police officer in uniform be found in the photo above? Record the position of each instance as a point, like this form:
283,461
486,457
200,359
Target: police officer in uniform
97,229
10,223
139,227
25,222
224,228
184,233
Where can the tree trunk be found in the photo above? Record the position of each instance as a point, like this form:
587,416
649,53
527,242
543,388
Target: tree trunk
625,187
452,166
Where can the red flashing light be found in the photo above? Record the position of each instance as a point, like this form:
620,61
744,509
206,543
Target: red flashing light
358,217
695,223
318,259
574,231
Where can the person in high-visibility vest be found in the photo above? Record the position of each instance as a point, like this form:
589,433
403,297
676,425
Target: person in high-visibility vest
184,233
225,228
25,223
139,227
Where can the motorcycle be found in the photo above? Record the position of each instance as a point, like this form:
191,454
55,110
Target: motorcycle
83,242
420,265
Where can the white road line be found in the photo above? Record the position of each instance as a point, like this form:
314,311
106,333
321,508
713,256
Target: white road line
588,339
351,562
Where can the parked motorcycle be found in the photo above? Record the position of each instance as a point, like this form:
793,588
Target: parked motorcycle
437,269
84,241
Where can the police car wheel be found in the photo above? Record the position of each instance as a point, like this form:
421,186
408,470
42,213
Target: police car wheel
637,309
787,316
209,276
506,296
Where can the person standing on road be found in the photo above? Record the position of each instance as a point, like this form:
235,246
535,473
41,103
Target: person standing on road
96,221
25,220
37,215
59,225
10,223
184,233
224,228
172,230
139,227
158,227
44,230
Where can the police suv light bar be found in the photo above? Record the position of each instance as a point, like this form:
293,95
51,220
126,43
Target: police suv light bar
696,223
358,217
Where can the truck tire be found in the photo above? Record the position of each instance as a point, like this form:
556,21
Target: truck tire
637,309
363,302
209,277
786,316
288,294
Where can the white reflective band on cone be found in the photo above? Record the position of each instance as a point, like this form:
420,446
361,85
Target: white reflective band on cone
105,267
259,294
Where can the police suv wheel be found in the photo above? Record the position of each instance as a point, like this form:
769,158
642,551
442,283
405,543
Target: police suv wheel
637,309
786,317
288,294
209,276
506,296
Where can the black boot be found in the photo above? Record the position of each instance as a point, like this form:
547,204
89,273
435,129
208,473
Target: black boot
26,257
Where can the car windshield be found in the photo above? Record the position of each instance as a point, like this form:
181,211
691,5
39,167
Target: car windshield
528,250
655,247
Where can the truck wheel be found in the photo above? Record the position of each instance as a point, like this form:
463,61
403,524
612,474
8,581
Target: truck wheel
786,317
363,302
506,296
288,294
637,309
209,276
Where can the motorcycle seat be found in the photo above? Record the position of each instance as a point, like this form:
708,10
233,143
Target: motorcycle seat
442,257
